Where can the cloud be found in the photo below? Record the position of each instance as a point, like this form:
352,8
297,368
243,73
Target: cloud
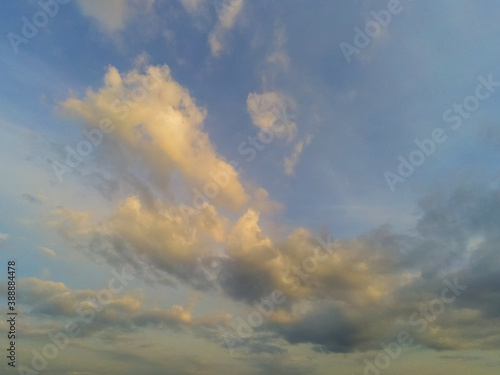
279,56
3,238
227,11
368,283
374,281
164,133
326,326
263,203
68,223
216,44
48,252
291,161
162,244
273,108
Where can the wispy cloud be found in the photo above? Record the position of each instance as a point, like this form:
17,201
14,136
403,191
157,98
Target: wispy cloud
291,161
228,12
49,252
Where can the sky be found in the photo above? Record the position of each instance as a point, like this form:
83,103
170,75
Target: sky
250,187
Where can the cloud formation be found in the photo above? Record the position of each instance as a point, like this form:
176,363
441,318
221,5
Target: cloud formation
368,283
159,125
123,313
371,284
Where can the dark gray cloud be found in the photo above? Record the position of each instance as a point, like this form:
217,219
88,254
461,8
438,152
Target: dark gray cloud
326,327
359,294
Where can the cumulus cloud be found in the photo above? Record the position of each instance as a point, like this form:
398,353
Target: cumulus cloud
374,283
291,161
262,202
162,244
156,122
370,284
226,12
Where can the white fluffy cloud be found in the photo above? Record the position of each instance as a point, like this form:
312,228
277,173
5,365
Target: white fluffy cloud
366,283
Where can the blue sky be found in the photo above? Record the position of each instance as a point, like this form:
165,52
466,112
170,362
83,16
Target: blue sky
229,139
